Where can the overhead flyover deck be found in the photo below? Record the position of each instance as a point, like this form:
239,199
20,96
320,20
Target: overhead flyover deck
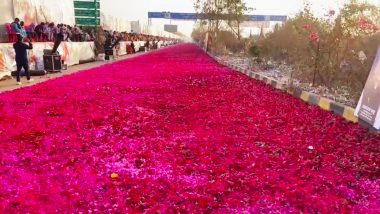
196,16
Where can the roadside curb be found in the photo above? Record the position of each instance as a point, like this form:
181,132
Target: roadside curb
8,84
313,99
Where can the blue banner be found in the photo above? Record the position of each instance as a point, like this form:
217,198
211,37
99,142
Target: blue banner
195,16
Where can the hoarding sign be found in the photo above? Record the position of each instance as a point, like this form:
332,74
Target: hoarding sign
171,28
368,108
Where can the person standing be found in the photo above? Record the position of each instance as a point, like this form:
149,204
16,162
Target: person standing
16,28
58,39
147,45
23,31
133,47
39,31
22,57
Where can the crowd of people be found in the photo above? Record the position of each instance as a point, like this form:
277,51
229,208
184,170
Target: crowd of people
151,42
105,41
49,32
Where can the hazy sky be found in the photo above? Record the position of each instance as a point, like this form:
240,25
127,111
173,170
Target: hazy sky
138,9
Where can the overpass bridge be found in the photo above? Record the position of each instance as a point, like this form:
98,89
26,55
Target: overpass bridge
196,16
250,20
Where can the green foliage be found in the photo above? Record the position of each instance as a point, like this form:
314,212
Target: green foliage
229,41
359,19
325,51
100,40
255,51
199,32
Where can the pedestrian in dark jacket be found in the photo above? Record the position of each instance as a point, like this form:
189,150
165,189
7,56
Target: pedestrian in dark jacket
133,47
22,57
147,45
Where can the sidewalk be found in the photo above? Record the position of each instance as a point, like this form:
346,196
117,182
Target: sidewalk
10,84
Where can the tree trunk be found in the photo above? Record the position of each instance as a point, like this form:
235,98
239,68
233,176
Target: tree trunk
316,64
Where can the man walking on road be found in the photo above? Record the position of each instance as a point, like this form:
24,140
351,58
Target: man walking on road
22,57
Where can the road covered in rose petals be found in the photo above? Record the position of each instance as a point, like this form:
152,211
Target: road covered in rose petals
173,131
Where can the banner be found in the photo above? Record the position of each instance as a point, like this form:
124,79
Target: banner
25,10
71,52
368,108
57,11
171,28
36,11
8,55
2,63
60,11
6,11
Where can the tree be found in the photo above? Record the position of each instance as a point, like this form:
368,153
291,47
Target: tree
199,32
210,10
217,12
359,19
235,10
329,51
